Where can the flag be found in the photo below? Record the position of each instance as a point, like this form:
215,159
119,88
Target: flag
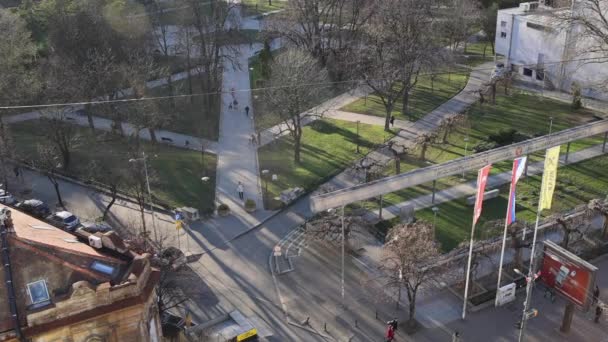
482,179
549,177
519,165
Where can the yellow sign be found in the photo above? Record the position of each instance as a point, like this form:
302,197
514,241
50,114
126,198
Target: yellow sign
178,225
549,178
246,335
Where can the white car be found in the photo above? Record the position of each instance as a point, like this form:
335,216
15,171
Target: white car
6,197
65,219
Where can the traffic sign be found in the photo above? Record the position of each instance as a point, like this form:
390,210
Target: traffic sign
277,251
178,225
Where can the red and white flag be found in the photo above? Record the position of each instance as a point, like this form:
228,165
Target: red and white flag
482,180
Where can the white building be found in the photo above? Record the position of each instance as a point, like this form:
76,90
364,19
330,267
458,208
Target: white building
544,50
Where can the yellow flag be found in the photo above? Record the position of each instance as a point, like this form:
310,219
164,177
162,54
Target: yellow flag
178,225
549,178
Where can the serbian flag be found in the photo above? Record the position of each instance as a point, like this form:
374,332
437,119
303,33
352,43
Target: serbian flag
482,180
519,165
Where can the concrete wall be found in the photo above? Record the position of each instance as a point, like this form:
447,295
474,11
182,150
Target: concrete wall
556,44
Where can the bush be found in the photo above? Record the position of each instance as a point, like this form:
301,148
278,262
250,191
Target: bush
250,204
223,208
484,146
503,137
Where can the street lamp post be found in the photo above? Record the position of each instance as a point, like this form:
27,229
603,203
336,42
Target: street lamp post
265,173
550,124
466,145
143,158
435,212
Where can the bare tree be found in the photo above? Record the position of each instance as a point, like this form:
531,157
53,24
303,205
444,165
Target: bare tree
423,141
161,35
49,163
408,251
61,134
399,150
7,153
448,124
329,227
296,84
136,186
397,45
186,46
111,177
461,17
487,20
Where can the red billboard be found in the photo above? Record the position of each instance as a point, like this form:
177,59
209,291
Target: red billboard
568,274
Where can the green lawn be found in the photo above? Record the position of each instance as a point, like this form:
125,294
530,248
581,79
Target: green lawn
189,115
328,146
258,7
178,172
427,95
528,114
474,54
576,185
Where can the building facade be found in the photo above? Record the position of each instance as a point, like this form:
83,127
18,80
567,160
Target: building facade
74,288
544,49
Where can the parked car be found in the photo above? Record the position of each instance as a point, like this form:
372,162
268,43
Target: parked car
7,198
95,227
65,220
34,207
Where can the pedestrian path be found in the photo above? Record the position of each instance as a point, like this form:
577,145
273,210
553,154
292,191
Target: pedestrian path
469,188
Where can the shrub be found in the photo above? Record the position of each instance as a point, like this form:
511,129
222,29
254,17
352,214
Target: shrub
223,207
250,204
484,146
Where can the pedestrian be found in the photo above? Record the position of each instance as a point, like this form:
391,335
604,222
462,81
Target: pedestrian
240,190
456,336
232,92
392,121
390,334
230,106
598,313
247,111
187,143
596,294
393,323
253,140
235,103
16,171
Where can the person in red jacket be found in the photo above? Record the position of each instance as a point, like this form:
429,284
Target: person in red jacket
390,333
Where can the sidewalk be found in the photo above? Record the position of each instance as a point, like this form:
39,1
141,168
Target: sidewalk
469,188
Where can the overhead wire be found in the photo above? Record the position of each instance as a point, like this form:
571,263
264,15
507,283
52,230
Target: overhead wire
317,84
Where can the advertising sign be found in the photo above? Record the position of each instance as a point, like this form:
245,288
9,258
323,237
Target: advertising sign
505,294
568,274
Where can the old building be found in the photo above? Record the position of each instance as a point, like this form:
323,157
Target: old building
57,287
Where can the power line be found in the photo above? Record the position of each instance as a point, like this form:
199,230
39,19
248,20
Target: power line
320,84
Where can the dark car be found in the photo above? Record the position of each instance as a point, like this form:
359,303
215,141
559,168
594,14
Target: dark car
34,207
96,227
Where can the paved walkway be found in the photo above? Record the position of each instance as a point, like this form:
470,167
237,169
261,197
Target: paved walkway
469,188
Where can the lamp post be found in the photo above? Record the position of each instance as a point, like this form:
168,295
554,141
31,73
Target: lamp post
265,173
143,158
466,145
435,212
550,124
331,211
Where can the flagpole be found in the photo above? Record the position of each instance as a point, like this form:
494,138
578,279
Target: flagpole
530,275
502,252
466,286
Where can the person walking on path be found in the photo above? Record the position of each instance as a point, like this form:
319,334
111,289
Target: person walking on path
598,314
392,121
240,189
390,333
253,140
596,294
235,103
456,336
247,111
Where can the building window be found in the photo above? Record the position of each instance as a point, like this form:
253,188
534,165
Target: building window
503,34
102,268
503,24
540,74
528,72
38,292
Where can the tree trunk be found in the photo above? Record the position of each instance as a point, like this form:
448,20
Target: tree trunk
296,149
405,105
107,209
423,151
152,135
65,154
397,164
446,131
143,221
170,85
87,111
412,310
492,44
494,93
56,186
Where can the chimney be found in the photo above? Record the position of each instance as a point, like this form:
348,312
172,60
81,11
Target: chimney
6,220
